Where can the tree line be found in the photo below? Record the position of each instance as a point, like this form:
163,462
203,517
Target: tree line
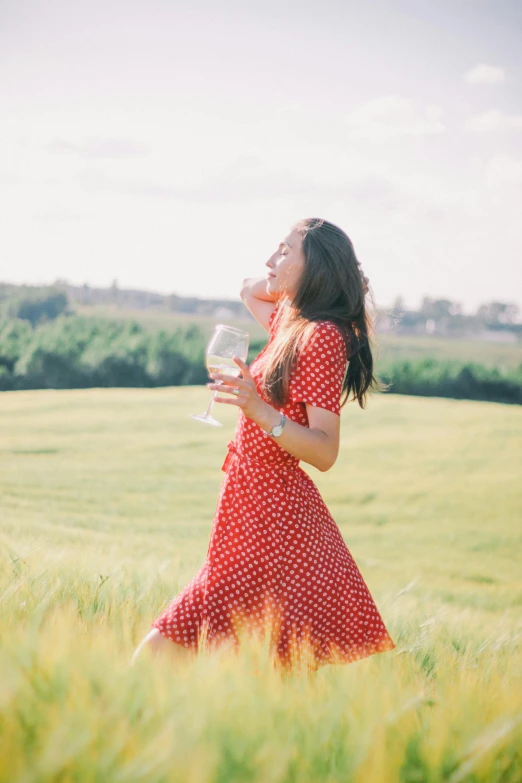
433,315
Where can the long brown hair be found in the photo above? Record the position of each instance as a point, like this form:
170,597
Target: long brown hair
331,288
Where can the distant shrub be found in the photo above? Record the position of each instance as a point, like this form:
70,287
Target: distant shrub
76,352
471,381
35,305
83,352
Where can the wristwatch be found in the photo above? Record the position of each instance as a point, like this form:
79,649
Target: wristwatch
278,428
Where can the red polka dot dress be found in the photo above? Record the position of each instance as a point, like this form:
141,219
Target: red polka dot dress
276,559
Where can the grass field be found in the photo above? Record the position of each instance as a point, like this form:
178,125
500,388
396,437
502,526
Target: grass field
106,504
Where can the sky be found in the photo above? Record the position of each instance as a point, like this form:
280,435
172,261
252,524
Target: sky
171,146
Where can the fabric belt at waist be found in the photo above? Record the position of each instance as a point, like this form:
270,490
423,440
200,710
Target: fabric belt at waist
233,452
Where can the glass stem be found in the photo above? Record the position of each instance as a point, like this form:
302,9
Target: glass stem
211,403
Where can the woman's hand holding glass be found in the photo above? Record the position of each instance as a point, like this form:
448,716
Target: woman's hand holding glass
244,390
225,344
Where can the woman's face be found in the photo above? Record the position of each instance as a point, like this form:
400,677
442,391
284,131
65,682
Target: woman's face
285,266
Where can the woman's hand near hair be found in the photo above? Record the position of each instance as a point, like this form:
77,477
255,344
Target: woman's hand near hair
256,287
257,301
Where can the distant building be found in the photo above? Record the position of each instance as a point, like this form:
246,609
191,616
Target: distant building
495,336
224,312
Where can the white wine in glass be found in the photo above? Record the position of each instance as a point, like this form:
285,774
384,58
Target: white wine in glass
225,343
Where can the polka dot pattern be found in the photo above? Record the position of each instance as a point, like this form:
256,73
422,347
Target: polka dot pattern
276,560
318,377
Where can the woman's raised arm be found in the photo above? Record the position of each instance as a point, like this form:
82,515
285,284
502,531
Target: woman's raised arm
257,300
256,287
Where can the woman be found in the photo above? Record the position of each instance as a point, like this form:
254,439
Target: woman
276,558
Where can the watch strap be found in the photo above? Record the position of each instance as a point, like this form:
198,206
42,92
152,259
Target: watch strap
279,427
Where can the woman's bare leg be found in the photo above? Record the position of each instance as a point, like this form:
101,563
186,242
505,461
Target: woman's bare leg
154,642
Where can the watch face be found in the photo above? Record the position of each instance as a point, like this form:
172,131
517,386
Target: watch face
277,430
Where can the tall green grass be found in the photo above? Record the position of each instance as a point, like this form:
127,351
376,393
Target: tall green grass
106,505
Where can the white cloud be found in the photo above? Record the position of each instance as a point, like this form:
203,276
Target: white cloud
391,117
247,179
502,171
494,120
99,147
485,74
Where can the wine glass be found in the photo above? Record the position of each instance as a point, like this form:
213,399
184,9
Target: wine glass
225,343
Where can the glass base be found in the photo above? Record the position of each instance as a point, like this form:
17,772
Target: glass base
207,419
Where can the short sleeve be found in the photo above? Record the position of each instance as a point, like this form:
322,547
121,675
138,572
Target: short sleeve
321,365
